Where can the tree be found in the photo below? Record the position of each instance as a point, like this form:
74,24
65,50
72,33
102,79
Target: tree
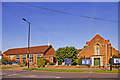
80,61
66,53
111,60
41,62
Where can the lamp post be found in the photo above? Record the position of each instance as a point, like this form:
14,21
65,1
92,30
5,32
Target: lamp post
28,40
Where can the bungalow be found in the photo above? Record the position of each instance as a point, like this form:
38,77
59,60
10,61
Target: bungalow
20,54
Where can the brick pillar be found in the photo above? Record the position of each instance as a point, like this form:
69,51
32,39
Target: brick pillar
91,62
15,57
21,58
34,59
26,58
9,57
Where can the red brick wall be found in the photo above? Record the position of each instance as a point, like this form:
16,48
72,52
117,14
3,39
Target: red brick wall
90,48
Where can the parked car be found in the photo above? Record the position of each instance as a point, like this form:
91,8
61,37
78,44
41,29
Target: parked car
9,63
3,63
15,63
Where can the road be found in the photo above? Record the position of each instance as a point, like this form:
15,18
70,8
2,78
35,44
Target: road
43,74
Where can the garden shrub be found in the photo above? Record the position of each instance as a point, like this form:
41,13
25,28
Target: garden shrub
12,61
5,60
80,61
50,63
21,65
41,62
24,62
74,63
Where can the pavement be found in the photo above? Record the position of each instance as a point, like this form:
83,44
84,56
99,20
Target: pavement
45,74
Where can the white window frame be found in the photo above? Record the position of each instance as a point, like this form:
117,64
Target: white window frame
11,57
38,56
24,57
31,58
18,57
97,53
51,59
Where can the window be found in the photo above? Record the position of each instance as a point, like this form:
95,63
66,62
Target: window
50,59
11,57
24,57
18,58
30,58
38,55
97,49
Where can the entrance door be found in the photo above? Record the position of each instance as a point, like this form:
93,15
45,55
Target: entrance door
96,61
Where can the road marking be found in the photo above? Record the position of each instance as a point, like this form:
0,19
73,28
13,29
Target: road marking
30,76
12,74
58,77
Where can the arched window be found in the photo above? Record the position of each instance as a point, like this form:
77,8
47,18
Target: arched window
97,49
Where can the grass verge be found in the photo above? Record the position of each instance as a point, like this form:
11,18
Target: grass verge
5,67
55,70
108,71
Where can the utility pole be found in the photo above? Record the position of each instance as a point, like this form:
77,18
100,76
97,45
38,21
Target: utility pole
28,40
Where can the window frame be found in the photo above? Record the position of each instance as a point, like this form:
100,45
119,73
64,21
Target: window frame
11,56
31,58
97,49
38,56
24,57
18,58
51,59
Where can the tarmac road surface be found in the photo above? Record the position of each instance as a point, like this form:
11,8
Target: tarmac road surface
45,74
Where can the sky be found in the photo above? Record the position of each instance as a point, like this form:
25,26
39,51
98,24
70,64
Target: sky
60,29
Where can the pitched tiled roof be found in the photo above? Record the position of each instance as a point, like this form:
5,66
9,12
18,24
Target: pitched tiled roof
0,52
36,49
50,52
78,50
95,37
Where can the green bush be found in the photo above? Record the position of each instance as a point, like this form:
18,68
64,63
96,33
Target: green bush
12,61
24,62
21,65
111,60
41,62
4,60
50,63
80,60
74,63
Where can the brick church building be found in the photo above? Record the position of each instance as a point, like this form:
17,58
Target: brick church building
98,50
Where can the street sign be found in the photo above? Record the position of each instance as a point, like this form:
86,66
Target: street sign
68,61
86,61
116,60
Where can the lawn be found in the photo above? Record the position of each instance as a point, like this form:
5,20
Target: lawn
70,70
5,67
55,70
108,71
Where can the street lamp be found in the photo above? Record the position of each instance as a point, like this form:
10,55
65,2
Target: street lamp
28,40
